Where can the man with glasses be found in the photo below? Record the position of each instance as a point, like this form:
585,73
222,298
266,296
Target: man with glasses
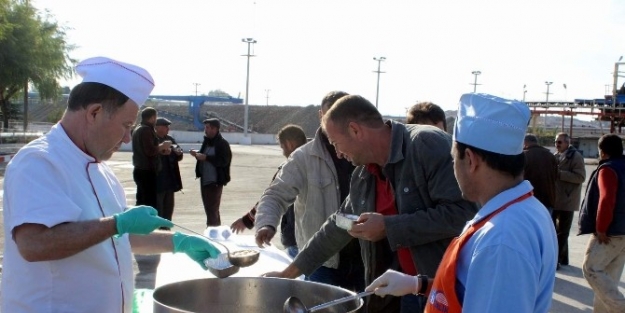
571,176
69,233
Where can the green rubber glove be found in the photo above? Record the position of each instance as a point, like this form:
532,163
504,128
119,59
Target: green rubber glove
196,247
140,220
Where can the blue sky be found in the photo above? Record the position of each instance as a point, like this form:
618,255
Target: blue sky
307,48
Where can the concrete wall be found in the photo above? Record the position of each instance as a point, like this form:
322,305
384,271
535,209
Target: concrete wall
184,138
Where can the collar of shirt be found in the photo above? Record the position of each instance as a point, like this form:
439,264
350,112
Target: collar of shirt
501,199
57,131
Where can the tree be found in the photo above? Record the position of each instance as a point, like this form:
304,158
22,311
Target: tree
218,93
33,50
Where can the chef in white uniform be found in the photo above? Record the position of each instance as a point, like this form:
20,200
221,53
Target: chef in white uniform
69,234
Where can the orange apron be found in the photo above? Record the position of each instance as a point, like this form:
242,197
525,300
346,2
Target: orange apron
443,298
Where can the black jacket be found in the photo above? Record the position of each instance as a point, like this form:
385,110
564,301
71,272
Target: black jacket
221,160
588,213
145,148
168,178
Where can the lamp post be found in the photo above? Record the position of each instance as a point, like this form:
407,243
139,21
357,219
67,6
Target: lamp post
475,73
547,93
524,92
267,96
377,90
249,42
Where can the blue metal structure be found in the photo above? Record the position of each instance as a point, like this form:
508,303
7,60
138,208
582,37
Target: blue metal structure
195,103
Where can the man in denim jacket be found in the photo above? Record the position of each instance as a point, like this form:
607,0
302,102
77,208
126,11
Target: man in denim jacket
405,165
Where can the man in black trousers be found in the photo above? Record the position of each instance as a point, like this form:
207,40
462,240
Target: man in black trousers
213,169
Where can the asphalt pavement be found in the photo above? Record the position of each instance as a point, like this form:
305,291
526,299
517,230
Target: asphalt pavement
252,169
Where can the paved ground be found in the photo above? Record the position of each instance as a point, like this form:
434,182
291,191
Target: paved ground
253,167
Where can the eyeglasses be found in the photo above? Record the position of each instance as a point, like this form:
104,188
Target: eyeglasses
559,142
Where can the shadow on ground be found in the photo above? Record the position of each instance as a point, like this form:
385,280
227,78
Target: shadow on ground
574,291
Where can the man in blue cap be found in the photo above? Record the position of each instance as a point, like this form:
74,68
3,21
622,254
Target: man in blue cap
505,258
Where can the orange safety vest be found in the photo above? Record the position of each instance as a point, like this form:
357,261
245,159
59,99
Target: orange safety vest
443,298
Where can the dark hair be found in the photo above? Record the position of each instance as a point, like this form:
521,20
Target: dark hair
85,94
148,113
330,98
531,138
426,113
611,144
214,122
293,133
353,108
513,165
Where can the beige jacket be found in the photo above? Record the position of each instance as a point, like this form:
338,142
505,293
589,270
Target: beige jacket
309,181
571,176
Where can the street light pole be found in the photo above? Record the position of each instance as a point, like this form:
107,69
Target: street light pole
475,73
249,42
547,93
524,92
267,96
377,90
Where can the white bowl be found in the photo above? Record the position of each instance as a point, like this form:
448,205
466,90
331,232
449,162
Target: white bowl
345,221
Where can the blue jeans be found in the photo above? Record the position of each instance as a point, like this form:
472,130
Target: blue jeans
292,251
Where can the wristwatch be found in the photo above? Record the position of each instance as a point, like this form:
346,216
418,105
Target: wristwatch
423,281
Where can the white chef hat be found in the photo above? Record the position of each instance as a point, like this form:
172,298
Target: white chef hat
491,123
133,81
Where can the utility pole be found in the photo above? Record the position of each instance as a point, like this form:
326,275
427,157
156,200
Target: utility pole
546,103
196,84
475,73
547,93
249,42
616,76
377,90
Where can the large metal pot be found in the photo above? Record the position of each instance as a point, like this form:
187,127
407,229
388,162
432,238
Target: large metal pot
246,294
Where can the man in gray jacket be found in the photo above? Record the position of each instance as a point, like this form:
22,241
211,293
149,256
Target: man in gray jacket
316,181
571,176
403,190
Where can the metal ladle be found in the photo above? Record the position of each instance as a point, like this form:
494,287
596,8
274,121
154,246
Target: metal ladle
241,258
295,305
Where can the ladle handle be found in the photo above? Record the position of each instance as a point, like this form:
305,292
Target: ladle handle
340,300
202,235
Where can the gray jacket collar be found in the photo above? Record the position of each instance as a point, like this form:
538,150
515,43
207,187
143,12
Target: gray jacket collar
398,131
